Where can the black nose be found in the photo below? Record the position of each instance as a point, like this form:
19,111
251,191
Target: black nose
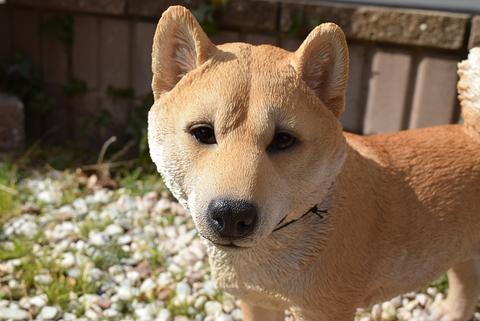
232,219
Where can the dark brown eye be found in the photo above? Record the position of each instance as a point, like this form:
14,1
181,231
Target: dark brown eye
204,134
281,141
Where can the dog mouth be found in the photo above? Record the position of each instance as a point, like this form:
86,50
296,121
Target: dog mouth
225,246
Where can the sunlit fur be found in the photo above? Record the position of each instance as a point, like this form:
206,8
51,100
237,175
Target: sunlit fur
402,208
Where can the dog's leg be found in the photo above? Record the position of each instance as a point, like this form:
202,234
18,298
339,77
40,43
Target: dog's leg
464,289
255,313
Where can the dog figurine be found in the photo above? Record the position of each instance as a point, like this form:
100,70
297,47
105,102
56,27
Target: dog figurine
296,213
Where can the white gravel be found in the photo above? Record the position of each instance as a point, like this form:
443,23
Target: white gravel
80,253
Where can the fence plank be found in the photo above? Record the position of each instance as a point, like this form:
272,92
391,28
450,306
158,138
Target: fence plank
388,89
352,118
114,68
142,57
435,92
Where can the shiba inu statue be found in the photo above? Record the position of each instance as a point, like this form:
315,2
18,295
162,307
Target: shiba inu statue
298,214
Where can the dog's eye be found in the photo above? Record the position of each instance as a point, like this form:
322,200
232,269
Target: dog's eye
282,141
204,134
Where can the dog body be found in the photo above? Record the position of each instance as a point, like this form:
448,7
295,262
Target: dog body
426,201
296,213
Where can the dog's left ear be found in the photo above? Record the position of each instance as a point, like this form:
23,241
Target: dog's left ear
179,46
322,62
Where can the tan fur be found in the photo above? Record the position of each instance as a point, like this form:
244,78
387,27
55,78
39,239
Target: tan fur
402,208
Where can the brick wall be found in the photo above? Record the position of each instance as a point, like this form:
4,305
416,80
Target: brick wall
402,74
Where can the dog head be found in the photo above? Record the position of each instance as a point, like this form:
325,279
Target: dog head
246,136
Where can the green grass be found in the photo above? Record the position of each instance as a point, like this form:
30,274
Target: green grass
9,202
19,248
139,181
90,225
109,255
58,291
176,308
441,284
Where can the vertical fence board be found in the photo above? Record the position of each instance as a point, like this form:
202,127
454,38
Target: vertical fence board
114,54
388,89
352,118
435,92
142,58
5,34
26,33
86,65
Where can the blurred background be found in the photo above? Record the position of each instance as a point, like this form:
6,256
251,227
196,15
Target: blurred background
87,229
81,69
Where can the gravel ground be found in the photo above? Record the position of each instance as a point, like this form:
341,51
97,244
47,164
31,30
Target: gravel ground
81,252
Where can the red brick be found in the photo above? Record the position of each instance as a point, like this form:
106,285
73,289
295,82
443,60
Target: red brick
113,7
474,40
155,8
388,89
400,26
142,57
260,39
255,15
435,92
352,118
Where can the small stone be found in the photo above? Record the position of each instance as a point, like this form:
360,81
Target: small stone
237,315
209,288
43,279
228,305
183,290
439,297
13,314
396,301
432,291
124,239
200,302
68,260
148,285
224,317
69,316
110,313
164,315
411,305
113,230
143,314
92,315
376,312
422,299
48,312
97,239
388,311
213,308
104,303
133,276
39,301
125,293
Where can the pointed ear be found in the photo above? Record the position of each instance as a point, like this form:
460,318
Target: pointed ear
179,46
322,62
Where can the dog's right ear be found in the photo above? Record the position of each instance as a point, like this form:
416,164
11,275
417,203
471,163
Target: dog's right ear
179,46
